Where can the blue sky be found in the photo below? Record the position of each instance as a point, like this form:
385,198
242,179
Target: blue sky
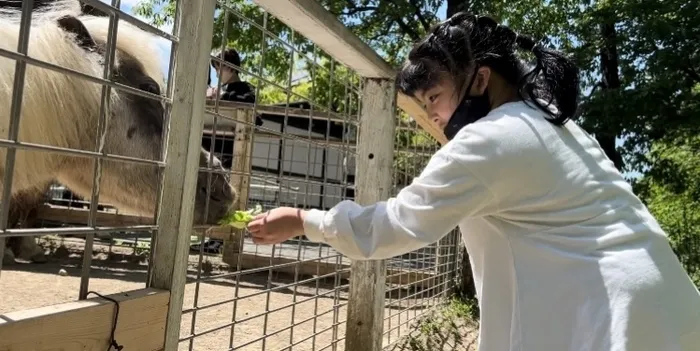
442,11
163,45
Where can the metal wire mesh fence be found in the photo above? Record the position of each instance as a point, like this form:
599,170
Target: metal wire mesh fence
280,128
66,110
286,129
422,279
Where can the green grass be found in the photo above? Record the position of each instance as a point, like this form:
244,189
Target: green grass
452,326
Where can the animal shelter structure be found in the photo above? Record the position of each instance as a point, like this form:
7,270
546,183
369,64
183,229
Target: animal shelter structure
158,185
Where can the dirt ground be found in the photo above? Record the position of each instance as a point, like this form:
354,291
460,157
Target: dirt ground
305,316
450,327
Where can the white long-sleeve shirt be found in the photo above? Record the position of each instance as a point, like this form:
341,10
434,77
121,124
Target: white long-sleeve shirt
564,255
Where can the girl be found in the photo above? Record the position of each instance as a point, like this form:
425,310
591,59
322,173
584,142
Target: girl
564,255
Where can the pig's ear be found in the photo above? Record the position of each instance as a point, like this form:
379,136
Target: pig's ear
73,25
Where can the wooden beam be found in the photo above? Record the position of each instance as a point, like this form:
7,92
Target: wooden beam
72,215
315,140
226,108
375,155
242,164
418,113
87,324
179,187
291,266
242,155
314,22
311,20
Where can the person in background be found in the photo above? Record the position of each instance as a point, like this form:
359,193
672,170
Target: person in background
565,257
232,87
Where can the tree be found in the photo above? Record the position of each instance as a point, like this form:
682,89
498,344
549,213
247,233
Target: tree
639,62
674,196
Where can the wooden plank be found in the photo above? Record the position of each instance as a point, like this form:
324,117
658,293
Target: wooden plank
242,155
87,324
71,215
320,141
375,155
309,18
79,216
418,113
194,28
225,109
290,266
242,164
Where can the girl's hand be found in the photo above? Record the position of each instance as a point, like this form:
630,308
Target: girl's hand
278,225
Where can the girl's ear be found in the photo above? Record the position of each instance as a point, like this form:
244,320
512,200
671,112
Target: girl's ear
482,80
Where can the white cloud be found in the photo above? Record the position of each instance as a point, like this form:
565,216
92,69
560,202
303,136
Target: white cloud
129,3
163,45
124,3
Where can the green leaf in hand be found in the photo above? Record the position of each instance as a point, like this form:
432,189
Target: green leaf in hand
240,219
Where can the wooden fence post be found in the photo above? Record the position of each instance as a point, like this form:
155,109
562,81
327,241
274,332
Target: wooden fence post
242,164
375,157
194,28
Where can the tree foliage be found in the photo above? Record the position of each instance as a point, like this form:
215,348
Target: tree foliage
281,62
673,196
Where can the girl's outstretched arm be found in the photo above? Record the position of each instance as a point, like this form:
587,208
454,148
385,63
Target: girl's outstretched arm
435,202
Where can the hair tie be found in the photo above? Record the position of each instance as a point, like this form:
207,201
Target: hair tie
536,46
526,43
488,21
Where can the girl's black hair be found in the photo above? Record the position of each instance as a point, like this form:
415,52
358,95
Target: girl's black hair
454,47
